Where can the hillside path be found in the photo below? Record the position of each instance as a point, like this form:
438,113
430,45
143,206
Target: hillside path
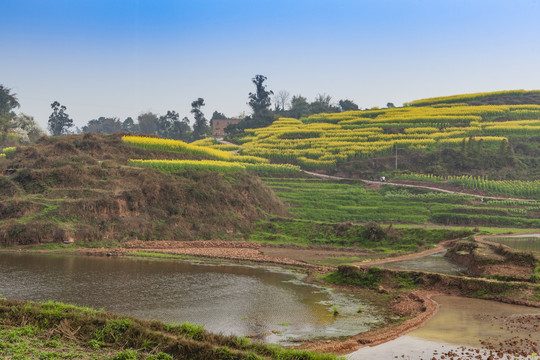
437,248
225,142
434,188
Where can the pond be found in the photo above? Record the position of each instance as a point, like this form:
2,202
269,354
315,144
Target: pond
436,262
273,305
527,242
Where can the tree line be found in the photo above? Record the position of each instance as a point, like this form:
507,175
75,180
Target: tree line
265,108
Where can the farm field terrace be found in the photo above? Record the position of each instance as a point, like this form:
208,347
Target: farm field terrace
332,201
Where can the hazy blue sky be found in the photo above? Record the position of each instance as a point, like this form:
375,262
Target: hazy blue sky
120,58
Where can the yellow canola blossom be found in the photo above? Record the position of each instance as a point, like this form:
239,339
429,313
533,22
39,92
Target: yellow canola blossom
213,165
151,143
331,138
466,97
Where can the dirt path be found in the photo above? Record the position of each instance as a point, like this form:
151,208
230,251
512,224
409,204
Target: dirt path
418,185
439,247
242,251
224,142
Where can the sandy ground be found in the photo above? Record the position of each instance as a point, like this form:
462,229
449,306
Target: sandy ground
243,251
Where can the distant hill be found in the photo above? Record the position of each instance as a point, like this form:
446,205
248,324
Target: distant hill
80,188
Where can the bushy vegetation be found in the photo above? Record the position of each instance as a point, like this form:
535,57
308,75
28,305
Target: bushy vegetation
374,277
373,236
7,151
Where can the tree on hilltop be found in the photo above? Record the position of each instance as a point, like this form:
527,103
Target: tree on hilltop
165,123
260,103
299,107
281,100
180,130
103,125
200,127
129,125
8,103
148,123
347,105
59,120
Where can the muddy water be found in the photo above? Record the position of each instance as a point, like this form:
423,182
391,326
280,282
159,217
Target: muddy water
433,263
527,242
460,322
274,305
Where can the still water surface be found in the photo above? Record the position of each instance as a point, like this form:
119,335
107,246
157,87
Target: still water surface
275,305
459,322
436,262
527,242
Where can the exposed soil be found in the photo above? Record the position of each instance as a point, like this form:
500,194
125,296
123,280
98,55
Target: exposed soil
217,249
316,254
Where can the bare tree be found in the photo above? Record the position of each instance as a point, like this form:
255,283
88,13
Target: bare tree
281,100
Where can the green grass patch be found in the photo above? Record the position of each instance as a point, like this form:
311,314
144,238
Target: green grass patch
333,201
346,275
54,330
382,239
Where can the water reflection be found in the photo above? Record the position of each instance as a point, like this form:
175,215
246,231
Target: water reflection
527,242
229,299
436,262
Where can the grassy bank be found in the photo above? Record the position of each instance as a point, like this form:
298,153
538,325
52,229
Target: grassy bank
396,280
372,236
54,330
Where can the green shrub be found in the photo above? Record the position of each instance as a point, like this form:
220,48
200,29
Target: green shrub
126,355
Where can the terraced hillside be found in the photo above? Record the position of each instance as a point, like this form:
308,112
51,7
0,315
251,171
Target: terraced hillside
428,133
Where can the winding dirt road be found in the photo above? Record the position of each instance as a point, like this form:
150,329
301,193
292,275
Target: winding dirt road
437,248
431,187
